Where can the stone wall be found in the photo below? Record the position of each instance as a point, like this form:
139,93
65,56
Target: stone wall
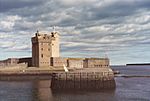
58,61
96,62
80,62
12,62
9,61
19,65
27,60
75,62
83,81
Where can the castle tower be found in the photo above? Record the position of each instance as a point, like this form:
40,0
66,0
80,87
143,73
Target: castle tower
44,46
54,44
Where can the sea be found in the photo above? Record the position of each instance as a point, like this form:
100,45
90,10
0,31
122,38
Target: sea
127,88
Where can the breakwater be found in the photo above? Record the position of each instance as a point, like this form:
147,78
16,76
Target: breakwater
83,81
86,80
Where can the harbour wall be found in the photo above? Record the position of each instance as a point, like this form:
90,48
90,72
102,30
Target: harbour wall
83,81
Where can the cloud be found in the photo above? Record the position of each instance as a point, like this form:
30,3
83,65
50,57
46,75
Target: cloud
5,35
7,44
71,3
7,5
86,26
8,22
21,48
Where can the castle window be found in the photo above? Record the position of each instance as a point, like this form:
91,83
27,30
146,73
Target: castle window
42,55
41,48
48,49
52,34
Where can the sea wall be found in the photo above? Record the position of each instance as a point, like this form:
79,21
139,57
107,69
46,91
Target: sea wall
20,65
83,80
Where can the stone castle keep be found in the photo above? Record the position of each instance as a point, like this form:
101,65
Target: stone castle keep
44,46
46,53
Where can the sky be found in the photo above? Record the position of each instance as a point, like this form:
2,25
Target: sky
118,29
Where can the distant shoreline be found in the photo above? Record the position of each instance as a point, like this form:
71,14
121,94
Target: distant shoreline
131,76
136,64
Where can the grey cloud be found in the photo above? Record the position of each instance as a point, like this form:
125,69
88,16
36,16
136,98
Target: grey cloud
85,26
111,40
89,15
7,5
115,12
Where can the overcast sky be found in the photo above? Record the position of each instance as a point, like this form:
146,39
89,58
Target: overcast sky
119,29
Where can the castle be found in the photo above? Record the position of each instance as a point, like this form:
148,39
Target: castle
64,73
46,53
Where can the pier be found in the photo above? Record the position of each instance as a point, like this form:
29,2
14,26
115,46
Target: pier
83,81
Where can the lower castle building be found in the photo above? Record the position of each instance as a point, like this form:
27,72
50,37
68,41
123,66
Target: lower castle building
16,62
80,62
46,53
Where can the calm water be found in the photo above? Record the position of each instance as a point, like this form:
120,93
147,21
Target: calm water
128,89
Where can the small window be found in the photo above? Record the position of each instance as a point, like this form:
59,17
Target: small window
48,49
42,55
52,34
41,48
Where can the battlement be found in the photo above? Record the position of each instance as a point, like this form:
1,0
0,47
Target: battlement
76,58
96,59
43,37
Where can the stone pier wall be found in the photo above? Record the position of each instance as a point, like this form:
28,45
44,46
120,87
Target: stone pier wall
85,81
